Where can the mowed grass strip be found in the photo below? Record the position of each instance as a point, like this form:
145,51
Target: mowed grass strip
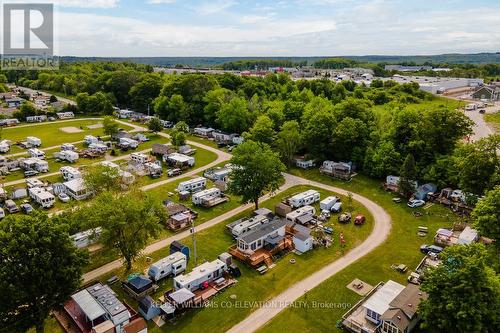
330,300
251,286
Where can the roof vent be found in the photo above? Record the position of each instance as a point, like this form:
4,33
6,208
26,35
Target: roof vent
399,317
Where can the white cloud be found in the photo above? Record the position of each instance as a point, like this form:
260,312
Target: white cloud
75,3
158,2
214,7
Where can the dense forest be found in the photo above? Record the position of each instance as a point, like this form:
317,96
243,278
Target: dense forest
338,121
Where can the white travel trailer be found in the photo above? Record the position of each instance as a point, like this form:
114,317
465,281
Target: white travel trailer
70,173
89,139
179,159
33,141
128,143
205,273
306,210
174,264
86,238
304,164
139,157
67,155
35,164
244,225
305,198
98,147
193,185
4,146
65,115
35,152
42,197
33,182
208,194
68,146
328,202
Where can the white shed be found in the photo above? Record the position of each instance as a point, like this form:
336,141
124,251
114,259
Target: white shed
303,242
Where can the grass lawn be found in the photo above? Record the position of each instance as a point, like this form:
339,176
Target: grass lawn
251,286
51,133
402,246
494,120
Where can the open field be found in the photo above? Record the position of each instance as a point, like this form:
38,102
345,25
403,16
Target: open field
251,286
402,246
51,134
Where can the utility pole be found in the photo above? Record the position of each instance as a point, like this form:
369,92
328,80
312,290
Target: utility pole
193,235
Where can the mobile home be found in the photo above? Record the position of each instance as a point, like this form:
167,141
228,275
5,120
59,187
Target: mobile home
174,264
42,197
200,276
304,198
209,197
128,143
68,146
76,189
193,185
306,210
247,224
304,164
139,158
179,159
35,164
70,173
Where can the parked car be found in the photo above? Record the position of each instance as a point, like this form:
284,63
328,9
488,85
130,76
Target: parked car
174,172
359,219
426,249
63,197
30,173
414,203
345,217
26,208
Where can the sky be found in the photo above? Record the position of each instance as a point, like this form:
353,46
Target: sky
144,28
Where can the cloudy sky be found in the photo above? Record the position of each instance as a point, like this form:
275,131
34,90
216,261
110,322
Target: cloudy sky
275,28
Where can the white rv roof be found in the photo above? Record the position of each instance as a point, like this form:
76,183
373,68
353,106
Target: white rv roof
174,257
206,192
300,211
180,157
88,304
75,185
379,301
327,200
191,181
200,271
303,195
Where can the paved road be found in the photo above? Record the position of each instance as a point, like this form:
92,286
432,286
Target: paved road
96,273
381,230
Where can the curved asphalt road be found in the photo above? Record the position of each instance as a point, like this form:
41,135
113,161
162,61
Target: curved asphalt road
381,230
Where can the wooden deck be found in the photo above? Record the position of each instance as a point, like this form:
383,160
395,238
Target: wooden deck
261,255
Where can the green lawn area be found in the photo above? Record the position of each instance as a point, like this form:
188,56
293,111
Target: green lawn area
51,133
494,120
251,286
402,246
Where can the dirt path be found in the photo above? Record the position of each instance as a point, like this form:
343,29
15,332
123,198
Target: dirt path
381,230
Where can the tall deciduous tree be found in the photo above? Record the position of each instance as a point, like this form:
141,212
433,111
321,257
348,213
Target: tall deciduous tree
110,126
39,269
464,293
262,130
234,116
408,175
487,215
99,178
288,141
154,125
128,221
257,170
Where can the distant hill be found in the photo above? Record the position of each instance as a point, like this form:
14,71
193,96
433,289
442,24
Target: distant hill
454,58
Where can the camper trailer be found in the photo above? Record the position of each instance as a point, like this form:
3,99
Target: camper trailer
306,210
33,182
65,115
341,170
67,155
68,146
33,141
11,206
139,158
192,185
247,224
4,146
209,198
99,148
89,139
328,202
86,238
34,164
126,143
200,276
70,173
305,198
174,264
76,189
42,197
35,152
